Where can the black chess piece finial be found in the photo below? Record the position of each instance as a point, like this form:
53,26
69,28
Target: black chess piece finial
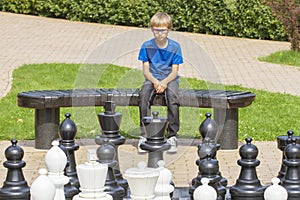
15,186
209,128
291,179
110,122
67,133
155,143
248,185
106,154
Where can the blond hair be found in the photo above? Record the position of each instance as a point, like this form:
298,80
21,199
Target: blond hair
161,19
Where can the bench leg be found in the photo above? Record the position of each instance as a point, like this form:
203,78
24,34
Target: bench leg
46,127
228,121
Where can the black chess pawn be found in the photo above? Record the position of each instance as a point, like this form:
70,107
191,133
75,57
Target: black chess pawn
110,122
209,168
291,179
248,185
155,143
282,142
106,154
15,186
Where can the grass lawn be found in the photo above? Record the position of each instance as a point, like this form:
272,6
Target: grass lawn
283,57
270,115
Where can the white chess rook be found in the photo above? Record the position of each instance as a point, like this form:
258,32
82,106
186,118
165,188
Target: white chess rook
142,181
92,176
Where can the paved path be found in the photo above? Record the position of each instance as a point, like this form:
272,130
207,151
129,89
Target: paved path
182,164
29,39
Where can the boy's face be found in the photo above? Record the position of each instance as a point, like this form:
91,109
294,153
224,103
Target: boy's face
160,33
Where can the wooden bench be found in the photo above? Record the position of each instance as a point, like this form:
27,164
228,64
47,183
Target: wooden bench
47,105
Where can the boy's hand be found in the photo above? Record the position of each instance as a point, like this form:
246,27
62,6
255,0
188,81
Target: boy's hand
156,85
161,88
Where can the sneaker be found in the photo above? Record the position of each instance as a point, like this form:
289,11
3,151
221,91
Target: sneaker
141,140
173,142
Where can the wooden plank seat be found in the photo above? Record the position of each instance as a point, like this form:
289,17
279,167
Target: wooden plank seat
47,105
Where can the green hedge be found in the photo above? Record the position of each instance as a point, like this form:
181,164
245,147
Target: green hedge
238,18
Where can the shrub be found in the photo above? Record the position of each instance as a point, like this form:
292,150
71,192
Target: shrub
240,18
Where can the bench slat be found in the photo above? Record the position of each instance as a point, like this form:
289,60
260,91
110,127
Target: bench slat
41,99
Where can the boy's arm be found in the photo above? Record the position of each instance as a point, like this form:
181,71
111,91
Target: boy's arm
149,76
173,75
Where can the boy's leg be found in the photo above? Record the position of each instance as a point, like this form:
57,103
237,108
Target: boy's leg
144,108
173,108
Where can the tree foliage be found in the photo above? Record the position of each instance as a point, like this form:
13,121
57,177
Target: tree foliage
239,18
288,11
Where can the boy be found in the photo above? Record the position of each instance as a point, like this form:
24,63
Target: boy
161,58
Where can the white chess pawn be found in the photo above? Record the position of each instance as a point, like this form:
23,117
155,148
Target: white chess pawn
205,191
92,176
163,187
142,181
275,191
42,188
56,161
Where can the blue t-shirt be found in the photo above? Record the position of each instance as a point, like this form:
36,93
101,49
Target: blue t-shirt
161,60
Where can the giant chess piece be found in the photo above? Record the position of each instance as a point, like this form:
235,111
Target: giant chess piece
56,161
209,128
155,143
106,154
275,191
291,179
110,122
69,189
205,191
92,176
15,186
209,168
248,186
282,142
67,133
42,188
163,188
209,131
207,147
142,181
